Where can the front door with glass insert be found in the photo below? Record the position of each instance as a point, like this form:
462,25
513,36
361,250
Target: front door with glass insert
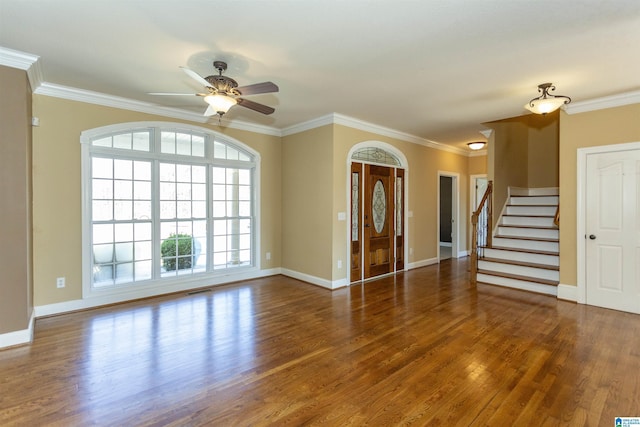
378,225
376,220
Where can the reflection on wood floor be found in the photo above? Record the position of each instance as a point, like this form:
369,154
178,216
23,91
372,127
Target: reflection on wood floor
422,347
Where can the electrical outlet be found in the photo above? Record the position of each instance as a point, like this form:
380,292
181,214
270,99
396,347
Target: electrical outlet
339,263
268,256
60,282
410,251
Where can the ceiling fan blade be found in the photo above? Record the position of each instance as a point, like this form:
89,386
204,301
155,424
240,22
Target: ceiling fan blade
197,77
210,111
175,94
254,89
260,108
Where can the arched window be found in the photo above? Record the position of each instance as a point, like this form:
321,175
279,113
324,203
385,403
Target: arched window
165,203
375,155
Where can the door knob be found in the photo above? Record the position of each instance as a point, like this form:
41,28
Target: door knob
592,236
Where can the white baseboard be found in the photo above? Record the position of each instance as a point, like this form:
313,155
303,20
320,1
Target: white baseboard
423,263
462,254
24,336
446,244
568,292
329,284
97,301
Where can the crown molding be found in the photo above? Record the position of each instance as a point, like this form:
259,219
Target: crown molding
340,119
16,59
612,101
308,125
23,61
90,97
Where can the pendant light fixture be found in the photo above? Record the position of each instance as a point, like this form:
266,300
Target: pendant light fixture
546,103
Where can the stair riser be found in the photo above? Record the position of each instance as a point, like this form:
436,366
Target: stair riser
543,200
527,221
528,232
520,270
522,256
526,244
531,210
517,284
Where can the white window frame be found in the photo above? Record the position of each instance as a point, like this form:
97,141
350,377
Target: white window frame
159,284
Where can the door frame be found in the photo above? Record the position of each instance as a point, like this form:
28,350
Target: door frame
404,164
455,212
581,209
472,186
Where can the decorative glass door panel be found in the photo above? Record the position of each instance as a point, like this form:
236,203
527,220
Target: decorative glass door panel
378,221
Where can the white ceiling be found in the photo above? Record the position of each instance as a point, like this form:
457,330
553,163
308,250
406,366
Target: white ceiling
435,69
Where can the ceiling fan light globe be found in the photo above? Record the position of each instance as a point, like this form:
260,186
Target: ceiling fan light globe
220,103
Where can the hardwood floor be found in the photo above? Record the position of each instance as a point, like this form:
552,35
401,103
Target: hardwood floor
421,348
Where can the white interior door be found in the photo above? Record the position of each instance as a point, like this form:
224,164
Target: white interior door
613,230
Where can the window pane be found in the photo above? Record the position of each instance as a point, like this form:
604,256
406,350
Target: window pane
199,174
197,147
168,142
167,172
102,210
141,210
142,171
123,190
102,233
101,168
123,210
122,141
123,169
102,142
124,252
219,150
102,189
124,232
183,144
141,141
141,190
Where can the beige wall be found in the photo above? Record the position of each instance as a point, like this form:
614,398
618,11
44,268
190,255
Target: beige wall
307,202
57,190
523,152
543,150
16,283
605,127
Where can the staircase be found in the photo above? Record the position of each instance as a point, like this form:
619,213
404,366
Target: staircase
524,250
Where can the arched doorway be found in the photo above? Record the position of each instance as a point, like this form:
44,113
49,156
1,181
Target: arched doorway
377,200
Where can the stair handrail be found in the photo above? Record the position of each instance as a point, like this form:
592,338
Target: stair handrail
556,218
482,224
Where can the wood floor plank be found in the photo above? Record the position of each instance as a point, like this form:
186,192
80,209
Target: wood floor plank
421,348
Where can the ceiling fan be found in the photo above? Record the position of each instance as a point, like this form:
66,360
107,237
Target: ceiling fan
222,92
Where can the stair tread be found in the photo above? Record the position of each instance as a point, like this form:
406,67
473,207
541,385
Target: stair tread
528,216
549,205
535,239
521,263
536,227
519,277
530,251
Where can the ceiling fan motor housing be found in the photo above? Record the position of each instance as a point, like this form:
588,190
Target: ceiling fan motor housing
222,84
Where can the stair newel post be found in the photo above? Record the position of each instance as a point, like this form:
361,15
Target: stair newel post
481,237
474,248
489,213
